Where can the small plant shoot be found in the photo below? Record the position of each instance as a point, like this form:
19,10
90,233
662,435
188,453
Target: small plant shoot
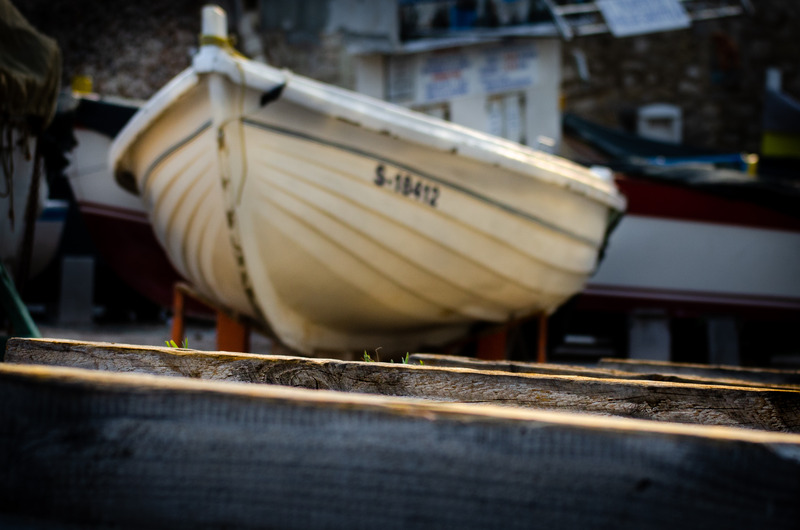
172,344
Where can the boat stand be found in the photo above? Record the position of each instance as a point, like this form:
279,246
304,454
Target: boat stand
233,329
492,344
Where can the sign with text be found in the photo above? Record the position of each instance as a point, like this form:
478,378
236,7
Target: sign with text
635,17
443,75
507,67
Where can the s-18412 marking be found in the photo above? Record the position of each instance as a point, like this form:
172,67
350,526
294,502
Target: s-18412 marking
407,185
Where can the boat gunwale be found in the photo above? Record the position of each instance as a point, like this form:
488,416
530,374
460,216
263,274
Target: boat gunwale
148,113
405,124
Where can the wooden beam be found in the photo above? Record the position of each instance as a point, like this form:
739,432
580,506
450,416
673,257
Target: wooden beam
85,449
455,361
758,408
757,375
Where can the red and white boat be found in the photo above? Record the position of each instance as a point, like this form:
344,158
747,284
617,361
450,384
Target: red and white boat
683,245
114,217
704,243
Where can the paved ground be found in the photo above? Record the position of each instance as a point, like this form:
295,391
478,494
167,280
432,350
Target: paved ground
201,336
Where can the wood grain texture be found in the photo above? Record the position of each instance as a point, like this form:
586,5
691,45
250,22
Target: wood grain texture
607,371
89,449
756,375
768,409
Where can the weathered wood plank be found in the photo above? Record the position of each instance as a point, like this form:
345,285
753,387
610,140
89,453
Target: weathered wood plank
756,375
768,409
453,361
96,449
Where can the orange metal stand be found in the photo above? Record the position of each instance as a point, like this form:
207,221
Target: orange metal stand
493,346
233,332
541,350
178,324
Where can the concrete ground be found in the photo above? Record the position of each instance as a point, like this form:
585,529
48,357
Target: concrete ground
201,335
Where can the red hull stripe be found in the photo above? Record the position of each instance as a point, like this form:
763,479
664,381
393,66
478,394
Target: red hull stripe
653,199
105,210
697,297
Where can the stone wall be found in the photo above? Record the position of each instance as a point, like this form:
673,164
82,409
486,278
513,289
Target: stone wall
715,72
129,48
132,48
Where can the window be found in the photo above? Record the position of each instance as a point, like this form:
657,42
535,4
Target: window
506,116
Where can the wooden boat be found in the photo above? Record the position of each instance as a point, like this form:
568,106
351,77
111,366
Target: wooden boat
347,223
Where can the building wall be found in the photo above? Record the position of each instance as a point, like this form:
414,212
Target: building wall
715,72
509,89
130,48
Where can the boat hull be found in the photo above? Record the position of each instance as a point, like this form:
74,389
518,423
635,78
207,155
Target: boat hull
700,252
343,237
15,194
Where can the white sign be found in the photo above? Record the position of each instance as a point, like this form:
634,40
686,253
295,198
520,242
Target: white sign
443,75
507,68
635,17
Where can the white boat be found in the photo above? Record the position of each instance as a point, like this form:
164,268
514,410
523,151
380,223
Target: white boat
15,194
30,70
347,223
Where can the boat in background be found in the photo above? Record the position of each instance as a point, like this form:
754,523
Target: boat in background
702,268
346,223
682,247
30,67
21,190
702,229
115,218
48,235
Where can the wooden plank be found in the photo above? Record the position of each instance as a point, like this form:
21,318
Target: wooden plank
605,372
756,375
768,409
89,449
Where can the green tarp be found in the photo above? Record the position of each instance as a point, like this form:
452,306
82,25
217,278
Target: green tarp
30,68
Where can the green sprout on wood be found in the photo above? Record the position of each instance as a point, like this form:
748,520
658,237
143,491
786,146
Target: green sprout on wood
171,344
368,358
